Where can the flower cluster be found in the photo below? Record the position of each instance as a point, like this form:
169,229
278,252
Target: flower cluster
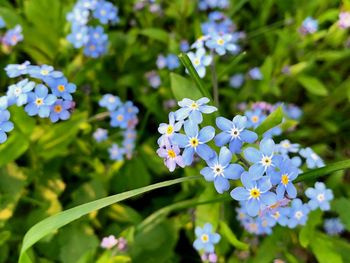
47,94
111,242
205,242
92,38
212,4
11,36
153,7
123,116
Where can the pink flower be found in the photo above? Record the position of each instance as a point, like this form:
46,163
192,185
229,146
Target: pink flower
109,242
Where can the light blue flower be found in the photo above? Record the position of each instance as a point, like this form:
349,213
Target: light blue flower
237,80
200,60
211,4
5,124
309,26
184,46
298,213
60,110
18,93
161,61
39,101
220,170
79,36
95,49
116,153
255,74
222,43
254,193
283,177
319,196
194,109
168,129
110,102
100,135
79,15
119,118
275,131
285,147
255,117
12,36
333,226
206,239
43,72
234,132
172,61
61,88
194,141
106,12
263,160
15,70
312,159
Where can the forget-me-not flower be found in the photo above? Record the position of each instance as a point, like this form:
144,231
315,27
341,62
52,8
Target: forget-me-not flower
171,155
100,135
333,226
194,109
110,102
222,43
39,101
18,93
206,239
15,70
319,196
298,213
312,159
5,124
61,87
60,110
200,60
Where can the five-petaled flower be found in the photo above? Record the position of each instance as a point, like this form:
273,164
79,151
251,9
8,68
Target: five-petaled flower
319,196
206,239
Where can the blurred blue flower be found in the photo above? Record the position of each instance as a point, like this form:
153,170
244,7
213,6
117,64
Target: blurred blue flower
95,49
116,153
119,118
285,147
161,61
200,60
60,110
222,43
333,226
255,117
312,159
263,160
5,124
106,12
275,131
211,4
153,79
12,36
184,46
79,36
319,196
172,61
43,72
234,132
220,170
309,26
254,193
110,102
237,80
255,74
18,93
100,135
193,109
15,70
194,141
298,213
39,101
206,239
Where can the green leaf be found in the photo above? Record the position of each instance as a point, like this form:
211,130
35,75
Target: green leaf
342,207
324,249
183,88
155,33
231,237
51,224
313,85
14,147
274,119
307,232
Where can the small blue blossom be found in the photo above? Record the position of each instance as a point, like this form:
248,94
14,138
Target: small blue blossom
312,159
184,46
193,109
79,15
255,74
15,70
194,141
79,36
234,132
171,155
153,79
44,72
237,80
110,102
206,239
275,131
18,93
309,26
168,130
333,226
12,36
222,43
285,147
119,118
5,124
39,102
211,4
319,196
161,62
116,153
106,12
172,62
263,160
298,213
100,135
60,110
255,193
61,88
200,60
255,117
95,49
220,170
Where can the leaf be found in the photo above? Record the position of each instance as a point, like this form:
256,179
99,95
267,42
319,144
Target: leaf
324,249
183,88
50,224
307,232
156,33
274,119
313,85
231,237
342,207
13,148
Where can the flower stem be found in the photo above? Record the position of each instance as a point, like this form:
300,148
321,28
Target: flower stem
99,116
214,80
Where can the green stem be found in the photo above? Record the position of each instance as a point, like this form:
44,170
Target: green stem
265,29
214,80
99,116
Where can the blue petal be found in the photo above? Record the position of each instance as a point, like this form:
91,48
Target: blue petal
207,109
248,136
235,146
204,151
41,91
180,139
196,116
267,146
225,156
280,190
256,171
191,128
182,113
44,111
3,137
240,121
268,198
206,134
221,184
202,101
239,194
223,124
292,192
222,138
247,180
264,184
252,207
252,155
233,171
188,155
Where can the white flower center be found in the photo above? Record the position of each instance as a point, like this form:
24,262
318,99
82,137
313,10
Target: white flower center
266,161
235,132
286,145
298,215
314,156
17,91
196,62
218,170
320,197
21,67
111,99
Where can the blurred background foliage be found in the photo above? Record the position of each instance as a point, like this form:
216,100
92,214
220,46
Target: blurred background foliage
46,168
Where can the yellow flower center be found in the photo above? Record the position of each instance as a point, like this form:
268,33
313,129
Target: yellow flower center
254,193
196,62
58,108
120,117
276,215
39,102
92,47
169,130
220,41
284,179
286,145
205,238
61,88
266,161
44,72
171,154
255,119
194,106
194,142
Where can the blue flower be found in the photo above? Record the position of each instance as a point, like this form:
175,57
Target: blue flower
222,43
309,26
211,4
280,215
171,155
5,124
172,61
39,102
168,130
44,72
2,23
285,147
263,160
193,109
153,79
184,46
234,132
255,193
312,159
79,15
255,117
194,141
319,196
119,118
200,60
333,226
95,49
161,62
18,93
100,135
97,35
116,153
79,36
106,12
255,73
220,170
284,177
13,36
237,80
298,213
60,110
275,131
206,239
61,88
110,102
15,70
